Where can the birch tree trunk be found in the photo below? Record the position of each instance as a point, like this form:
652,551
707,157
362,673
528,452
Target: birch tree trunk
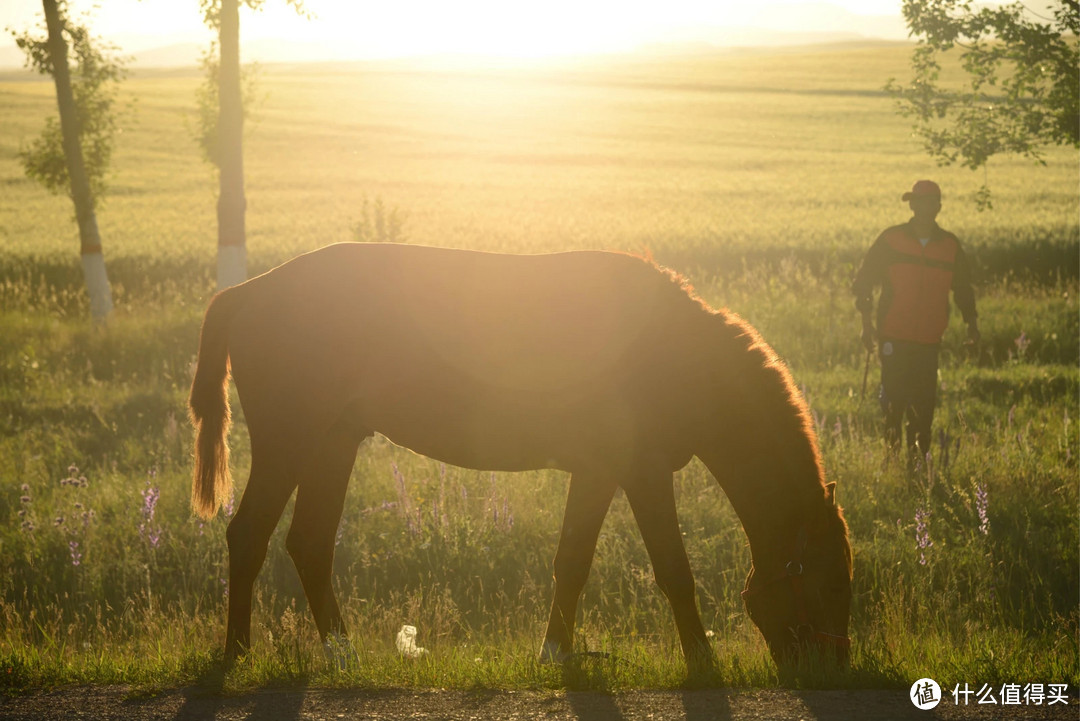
93,261
232,243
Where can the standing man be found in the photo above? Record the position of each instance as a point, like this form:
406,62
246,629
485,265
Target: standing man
916,264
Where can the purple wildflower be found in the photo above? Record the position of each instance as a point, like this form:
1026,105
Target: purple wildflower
508,515
150,499
399,478
922,533
982,503
76,556
501,518
404,502
149,507
27,525
75,479
1022,342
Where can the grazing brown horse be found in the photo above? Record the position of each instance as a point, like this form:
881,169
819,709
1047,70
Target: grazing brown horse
596,363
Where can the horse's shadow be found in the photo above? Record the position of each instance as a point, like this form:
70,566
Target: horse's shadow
587,678
594,706
697,705
206,699
200,704
706,705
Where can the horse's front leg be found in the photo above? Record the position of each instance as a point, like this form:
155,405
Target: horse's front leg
652,499
586,505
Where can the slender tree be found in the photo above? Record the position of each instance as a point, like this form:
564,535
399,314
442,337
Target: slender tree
74,156
224,16
205,129
232,238
1021,79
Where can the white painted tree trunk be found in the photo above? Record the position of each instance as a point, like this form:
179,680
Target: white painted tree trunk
97,285
231,265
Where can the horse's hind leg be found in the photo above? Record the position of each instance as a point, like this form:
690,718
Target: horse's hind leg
652,499
319,502
586,505
268,489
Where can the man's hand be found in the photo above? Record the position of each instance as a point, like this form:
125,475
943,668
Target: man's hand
869,337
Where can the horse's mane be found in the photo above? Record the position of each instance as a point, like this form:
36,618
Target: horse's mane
778,394
778,381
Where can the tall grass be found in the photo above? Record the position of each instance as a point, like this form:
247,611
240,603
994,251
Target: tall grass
764,178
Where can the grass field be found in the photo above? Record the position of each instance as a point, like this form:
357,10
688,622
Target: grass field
762,176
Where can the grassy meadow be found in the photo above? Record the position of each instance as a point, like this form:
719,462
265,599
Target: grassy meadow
763,177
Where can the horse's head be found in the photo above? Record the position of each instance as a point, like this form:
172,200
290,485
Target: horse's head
802,601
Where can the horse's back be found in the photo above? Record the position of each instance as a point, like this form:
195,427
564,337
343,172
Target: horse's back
481,359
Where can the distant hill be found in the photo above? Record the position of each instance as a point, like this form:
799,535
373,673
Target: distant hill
262,51
169,56
187,54
770,25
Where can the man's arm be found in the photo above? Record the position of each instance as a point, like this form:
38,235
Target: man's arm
870,274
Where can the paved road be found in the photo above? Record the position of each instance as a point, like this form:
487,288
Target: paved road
299,704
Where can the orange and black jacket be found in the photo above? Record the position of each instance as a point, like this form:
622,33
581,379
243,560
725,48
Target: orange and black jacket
915,283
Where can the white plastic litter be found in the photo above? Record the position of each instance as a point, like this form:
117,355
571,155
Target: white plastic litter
406,643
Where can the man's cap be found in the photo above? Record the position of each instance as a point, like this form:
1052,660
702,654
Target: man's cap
923,188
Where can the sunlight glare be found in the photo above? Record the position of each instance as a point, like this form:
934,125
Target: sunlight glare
489,27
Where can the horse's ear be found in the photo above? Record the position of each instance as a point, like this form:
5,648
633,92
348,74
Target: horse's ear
830,493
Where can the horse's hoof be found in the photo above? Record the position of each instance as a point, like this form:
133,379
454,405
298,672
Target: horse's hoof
339,652
233,653
552,653
700,668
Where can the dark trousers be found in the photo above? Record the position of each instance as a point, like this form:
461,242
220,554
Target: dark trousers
908,390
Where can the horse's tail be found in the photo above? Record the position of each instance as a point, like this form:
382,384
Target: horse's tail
209,407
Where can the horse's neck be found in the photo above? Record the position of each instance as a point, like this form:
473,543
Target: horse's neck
762,448
772,496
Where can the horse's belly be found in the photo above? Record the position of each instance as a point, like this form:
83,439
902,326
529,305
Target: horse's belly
499,430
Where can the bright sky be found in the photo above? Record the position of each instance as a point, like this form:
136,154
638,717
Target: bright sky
511,28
